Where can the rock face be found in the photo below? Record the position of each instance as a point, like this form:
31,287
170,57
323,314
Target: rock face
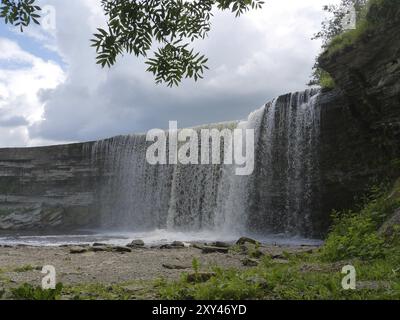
360,119
46,188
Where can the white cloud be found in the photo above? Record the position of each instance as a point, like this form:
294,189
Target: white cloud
252,59
22,77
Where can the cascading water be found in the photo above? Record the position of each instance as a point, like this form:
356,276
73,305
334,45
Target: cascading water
279,197
287,170
133,195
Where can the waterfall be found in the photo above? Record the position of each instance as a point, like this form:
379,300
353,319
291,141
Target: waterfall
287,170
133,195
279,197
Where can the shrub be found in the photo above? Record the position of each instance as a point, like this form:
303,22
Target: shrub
28,292
355,234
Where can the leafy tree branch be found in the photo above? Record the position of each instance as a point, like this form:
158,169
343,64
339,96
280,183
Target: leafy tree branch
165,28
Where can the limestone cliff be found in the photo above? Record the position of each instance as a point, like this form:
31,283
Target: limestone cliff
46,188
361,117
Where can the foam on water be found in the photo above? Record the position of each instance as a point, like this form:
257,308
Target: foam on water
155,237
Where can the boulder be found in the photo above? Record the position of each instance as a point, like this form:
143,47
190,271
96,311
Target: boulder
392,225
178,244
221,244
244,240
173,245
96,244
104,248
121,249
77,250
136,244
209,249
248,262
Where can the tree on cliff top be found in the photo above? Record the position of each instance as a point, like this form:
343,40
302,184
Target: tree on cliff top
135,26
332,27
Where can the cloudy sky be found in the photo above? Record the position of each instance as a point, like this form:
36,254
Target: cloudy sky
51,90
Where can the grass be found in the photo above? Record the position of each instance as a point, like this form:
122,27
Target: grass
303,278
353,240
92,291
28,292
375,14
25,268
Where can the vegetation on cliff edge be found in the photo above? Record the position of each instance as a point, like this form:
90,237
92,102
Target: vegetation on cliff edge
371,16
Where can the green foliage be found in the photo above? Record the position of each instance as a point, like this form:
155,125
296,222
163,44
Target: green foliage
253,251
135,27
25,268
355,234
333,26
97,291
322,78
305,278
28,292
19,13
226,285
196,265
347,39
331,29
372,15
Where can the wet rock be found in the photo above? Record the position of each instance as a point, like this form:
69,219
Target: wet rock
104,248
198,246
173,245
244,240
121,249
178,244
248,262
199,277
221,244
175,266
77,250
96,244
136,244
164,246
209,249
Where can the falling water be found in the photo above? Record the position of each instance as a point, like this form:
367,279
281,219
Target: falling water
279,197
287,170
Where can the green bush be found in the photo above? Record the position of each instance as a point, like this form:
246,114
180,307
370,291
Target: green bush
355,235
29,292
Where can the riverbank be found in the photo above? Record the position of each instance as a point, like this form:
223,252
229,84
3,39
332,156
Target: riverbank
107,272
